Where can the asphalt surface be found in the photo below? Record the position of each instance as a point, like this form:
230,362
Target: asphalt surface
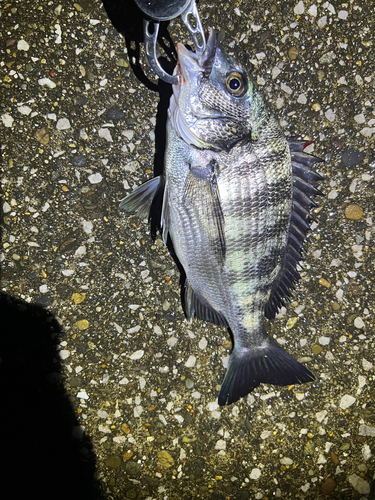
106,391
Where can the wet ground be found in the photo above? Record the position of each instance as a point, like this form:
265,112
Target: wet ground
95,340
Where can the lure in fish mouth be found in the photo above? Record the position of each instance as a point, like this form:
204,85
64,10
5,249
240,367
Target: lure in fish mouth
202,109
236,205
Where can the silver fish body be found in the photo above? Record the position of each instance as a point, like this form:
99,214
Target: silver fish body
236,206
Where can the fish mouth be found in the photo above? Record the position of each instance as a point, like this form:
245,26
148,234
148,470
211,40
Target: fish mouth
191,63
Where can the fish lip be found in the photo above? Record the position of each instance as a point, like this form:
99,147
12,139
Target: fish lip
190,64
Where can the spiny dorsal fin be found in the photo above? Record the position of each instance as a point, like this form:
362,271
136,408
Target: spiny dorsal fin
304,178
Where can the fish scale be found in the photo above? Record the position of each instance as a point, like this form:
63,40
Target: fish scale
236,202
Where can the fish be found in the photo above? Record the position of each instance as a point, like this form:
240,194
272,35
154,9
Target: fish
237,196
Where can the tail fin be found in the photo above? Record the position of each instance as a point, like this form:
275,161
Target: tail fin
270,364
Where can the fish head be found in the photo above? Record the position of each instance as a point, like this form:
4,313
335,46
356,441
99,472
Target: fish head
216,104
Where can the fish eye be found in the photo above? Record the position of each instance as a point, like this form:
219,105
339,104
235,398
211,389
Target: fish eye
236,84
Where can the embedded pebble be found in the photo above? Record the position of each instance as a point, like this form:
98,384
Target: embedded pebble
191,361
256,473
23,45
202,343
367,365
352,157
6,207
220,445
105,134
299,8
286,461
346,401
7,120
63,124
359,484
165,459
328,486
317,349
82,324
95,178
324,340
359,323
137,354
113,462
366,452
189,384
330,115
353,212
46,82
366,430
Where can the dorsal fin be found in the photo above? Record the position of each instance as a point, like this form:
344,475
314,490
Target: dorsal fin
304,178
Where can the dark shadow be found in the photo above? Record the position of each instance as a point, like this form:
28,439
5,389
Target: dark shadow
127,19
40,457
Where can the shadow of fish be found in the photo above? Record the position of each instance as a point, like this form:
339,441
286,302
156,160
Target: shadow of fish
236,203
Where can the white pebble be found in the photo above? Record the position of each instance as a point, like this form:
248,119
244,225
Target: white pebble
286,461
106,134
366,430
322,21
23,45
63,124
43,289
346,401
191,362
6,207
64,354
286,89
313,10
46,82
138,410
102,414
158,330
202,343
196,395
359,484
367,365
220,445
87,226
320,415
137,354
358,322
24,110
302,99
299,8
95,178
343,14
119,440
67,272
7,120
321,459
266,434
256,473
367,131
82,395
360,118
324,340
366,452
172,341
330,115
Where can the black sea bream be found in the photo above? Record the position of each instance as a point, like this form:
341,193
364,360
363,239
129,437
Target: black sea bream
236,206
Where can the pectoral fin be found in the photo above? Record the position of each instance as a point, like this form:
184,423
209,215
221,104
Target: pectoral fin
201,195
140,200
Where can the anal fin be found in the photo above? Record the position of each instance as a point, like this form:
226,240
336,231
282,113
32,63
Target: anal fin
197,306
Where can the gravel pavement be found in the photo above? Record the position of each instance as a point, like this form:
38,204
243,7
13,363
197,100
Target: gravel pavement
107,392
